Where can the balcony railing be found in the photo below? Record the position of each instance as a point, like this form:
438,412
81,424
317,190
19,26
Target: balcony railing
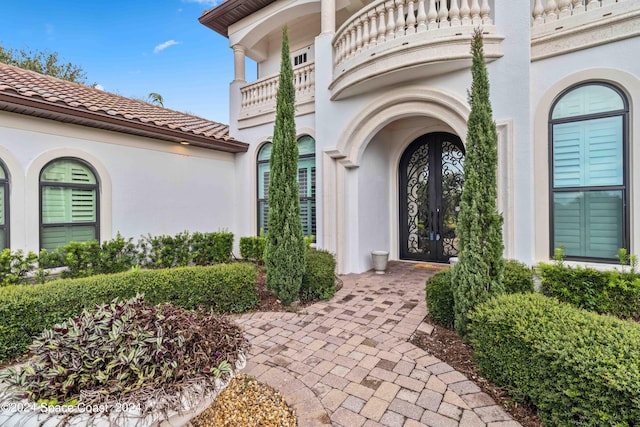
259,97
563,26
385,20
545,11
391,41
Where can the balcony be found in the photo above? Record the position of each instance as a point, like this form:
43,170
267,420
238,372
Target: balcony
258,99
563,26
392,41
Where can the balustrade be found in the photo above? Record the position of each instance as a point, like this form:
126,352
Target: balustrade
552,10
263,92
386,20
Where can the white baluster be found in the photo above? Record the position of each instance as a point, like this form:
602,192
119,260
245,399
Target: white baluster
593,4
347,44
411,18
550,11
475,13
485,12
365,33
391,22
565,8
400,23
454,13
578,7
382,25
538,13
422,17
359,36
443,14
432,15
465,13
352,48
374,28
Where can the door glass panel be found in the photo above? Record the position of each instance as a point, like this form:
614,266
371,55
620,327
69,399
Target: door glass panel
452,180
419,213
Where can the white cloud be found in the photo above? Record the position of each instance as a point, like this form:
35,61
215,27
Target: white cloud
163,46
205,2
98,86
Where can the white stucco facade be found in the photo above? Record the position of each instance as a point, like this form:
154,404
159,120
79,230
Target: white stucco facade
364,117
380,81
145,185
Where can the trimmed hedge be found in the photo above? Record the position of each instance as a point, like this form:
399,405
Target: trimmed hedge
605,292
252,248
25,310
319,278
578,368
440,298
518,278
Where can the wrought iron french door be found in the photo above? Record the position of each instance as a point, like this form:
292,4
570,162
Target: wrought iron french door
431,179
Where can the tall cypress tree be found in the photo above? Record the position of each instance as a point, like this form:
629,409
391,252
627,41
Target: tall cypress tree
285,248
478,274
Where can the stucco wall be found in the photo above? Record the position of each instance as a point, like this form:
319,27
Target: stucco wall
552,76
146,186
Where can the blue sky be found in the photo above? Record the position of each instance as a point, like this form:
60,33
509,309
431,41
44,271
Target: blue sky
131,47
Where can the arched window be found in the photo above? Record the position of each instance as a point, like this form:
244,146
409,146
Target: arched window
589,190
306,184
4,207
69,200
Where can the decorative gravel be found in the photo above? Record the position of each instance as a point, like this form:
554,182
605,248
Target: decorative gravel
247,402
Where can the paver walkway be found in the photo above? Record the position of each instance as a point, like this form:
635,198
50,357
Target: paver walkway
347,362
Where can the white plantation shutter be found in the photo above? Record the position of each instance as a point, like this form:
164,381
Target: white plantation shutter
588,153
69,194
588,172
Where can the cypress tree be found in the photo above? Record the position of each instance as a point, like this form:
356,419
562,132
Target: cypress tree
478,274
285,249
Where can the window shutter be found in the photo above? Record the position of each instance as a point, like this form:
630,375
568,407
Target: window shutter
588,153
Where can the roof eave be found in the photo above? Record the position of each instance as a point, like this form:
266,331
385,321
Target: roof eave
80,116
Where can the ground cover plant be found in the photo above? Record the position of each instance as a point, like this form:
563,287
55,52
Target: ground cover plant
129,351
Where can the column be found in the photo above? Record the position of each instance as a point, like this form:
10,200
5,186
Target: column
328,16
238,62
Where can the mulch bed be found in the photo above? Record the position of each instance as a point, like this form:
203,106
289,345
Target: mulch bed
447,346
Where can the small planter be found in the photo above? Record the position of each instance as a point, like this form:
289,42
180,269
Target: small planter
453,261
380,260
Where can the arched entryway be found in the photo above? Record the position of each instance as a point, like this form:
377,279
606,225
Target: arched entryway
431,176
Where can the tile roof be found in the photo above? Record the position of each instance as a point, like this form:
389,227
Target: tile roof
27,92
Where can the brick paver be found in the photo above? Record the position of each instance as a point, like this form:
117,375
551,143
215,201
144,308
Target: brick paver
347,362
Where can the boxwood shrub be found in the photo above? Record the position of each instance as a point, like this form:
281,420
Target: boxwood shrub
518,277
605,292
578,368
319,278
440,298
26,310
252,248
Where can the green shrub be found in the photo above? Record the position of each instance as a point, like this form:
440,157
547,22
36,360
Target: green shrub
440,298
319,278
606,292
124,350
26,310
518,277
252,249
578,368
185,249
15,266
